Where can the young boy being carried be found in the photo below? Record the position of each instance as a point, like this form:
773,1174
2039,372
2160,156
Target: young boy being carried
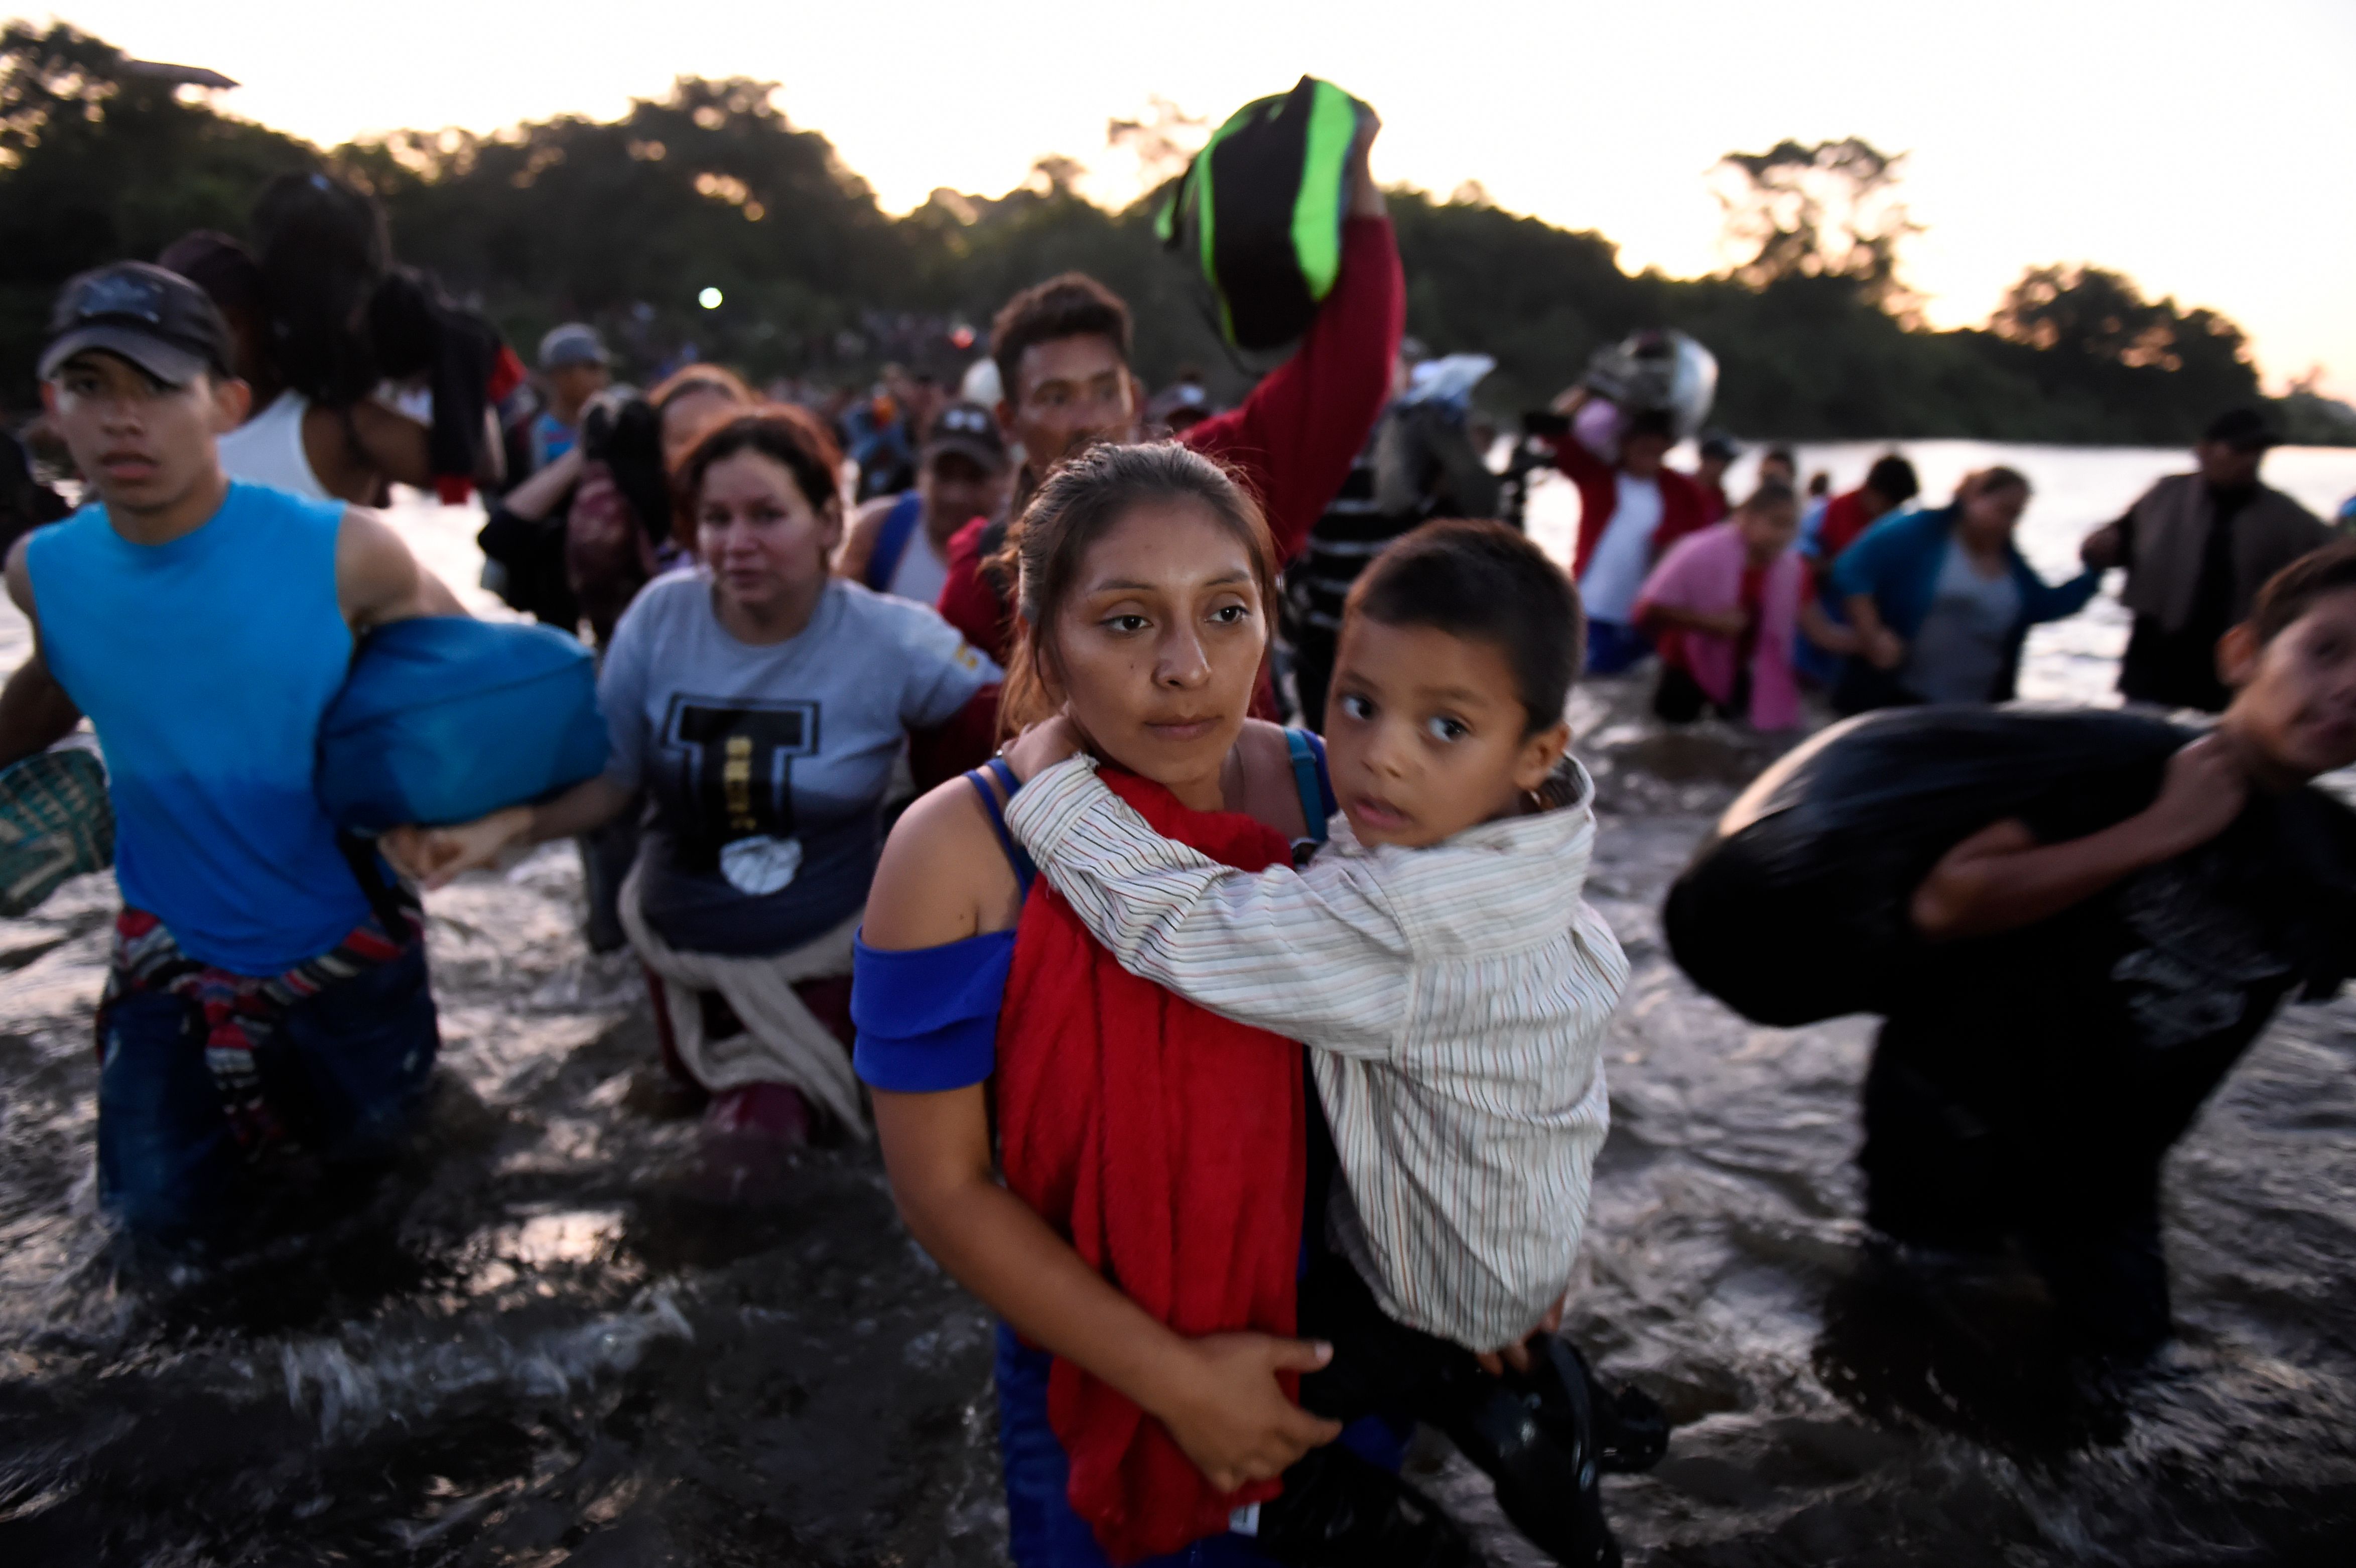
1453,987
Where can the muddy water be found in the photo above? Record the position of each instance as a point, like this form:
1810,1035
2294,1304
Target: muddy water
563,1335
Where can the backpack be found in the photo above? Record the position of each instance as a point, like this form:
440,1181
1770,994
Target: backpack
1259,211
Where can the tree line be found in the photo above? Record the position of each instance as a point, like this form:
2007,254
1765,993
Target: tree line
626,222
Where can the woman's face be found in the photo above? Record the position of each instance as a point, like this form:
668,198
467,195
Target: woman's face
688,416
1990,515
763,540
1768,530
1158,646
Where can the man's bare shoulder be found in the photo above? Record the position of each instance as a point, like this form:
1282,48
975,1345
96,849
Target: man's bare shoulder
20,574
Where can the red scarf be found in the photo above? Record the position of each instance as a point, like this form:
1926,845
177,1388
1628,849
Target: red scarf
1167,1145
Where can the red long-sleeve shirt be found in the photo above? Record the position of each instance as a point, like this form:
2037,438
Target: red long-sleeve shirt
1683,507
1291,443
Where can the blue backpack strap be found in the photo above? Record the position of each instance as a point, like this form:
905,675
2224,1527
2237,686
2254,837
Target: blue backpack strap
899,527
1308,777
1025,873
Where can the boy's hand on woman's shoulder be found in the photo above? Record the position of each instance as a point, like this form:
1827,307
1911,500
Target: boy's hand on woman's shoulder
1043,745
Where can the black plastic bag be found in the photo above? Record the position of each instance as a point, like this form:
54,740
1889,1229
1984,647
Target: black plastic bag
1796,908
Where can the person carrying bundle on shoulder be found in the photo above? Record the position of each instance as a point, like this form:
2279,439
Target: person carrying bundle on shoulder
266,990
1632,508
2073,924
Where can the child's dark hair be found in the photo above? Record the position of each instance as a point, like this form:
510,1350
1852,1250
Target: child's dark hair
1072,306
2293,591
785,435
1893,479
1077,505
1485,582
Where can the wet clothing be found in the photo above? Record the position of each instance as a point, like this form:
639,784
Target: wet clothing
1292,442
1711,571
730,1021
2035,1083
242,1014
206,665
1902,564
769,764
1613,646
928,1021
1454,998
345,1072
1195,1212
1958,652
2195,557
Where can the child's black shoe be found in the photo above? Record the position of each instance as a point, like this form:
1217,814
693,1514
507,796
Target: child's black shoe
1339,1510
1532,1433
1629,1428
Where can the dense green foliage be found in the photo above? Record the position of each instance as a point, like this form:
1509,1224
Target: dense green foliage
624,222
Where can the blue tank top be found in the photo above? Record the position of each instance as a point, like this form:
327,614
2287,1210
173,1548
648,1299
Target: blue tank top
205,665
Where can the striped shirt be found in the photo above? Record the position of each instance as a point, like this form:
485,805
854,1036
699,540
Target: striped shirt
1454,1001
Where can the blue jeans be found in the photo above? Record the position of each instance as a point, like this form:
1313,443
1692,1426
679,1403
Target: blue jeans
1612,646
1043,1531
346,1070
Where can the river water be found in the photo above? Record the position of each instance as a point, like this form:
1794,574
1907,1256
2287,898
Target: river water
554,1337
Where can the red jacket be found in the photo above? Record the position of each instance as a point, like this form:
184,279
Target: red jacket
1291,443
1843,520
1683,507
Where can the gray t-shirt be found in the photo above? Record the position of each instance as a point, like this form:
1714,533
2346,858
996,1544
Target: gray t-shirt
1959,650
769,764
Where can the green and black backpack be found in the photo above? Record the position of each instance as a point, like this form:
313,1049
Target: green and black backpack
1259,210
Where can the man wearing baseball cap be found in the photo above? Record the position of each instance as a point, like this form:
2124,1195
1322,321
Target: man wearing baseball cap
2197,548
266,990
899,544
575,367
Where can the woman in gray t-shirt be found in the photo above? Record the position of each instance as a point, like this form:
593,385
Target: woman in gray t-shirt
761,704
1943,600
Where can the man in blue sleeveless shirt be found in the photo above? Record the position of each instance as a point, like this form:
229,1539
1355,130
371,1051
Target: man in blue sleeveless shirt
267,991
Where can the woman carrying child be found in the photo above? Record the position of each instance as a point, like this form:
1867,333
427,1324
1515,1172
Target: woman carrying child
1143,1247
1722,608
1453,986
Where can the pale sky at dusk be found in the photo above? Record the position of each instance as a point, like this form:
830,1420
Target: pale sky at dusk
2208,151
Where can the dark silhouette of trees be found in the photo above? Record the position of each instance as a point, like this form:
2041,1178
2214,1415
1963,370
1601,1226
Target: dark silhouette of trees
1830,210
624,222
98,162
2103,355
